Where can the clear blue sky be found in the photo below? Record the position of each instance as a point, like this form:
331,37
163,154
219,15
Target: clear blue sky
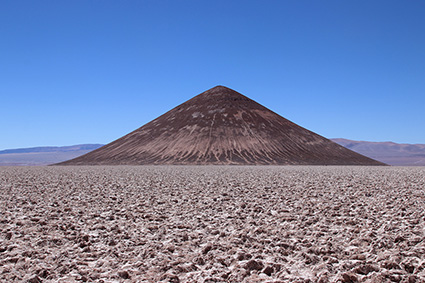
91,71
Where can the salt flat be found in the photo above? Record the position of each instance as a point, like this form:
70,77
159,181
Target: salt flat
212,224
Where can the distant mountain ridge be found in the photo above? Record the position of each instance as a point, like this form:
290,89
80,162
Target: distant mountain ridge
52,148
388,152
45,155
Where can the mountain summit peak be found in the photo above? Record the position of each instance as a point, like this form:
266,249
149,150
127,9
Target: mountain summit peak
221,126
220,88
221,91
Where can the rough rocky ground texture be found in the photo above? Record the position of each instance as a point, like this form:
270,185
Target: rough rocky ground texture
212,224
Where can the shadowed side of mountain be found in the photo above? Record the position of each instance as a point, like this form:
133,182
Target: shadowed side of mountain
222,126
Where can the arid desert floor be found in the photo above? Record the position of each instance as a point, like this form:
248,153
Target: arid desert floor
212,224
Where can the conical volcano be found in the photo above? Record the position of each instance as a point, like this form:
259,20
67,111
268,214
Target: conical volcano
221,126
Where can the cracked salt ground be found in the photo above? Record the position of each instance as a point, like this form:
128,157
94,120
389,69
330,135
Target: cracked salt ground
212,224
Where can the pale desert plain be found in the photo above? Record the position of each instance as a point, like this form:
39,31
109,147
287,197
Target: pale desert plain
212,224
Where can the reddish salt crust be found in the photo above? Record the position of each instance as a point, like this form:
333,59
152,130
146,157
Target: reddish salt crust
212,224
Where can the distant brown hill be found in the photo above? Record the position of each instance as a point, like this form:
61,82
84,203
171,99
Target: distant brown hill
221,126
388,152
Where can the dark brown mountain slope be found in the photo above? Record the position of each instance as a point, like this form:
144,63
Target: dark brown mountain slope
221,126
